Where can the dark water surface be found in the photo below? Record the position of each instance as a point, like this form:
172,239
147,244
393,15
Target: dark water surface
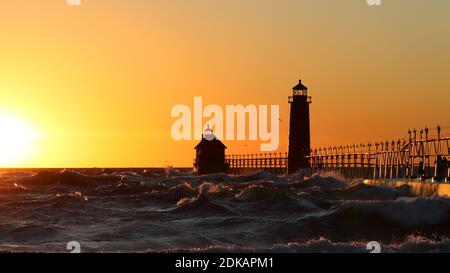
157,211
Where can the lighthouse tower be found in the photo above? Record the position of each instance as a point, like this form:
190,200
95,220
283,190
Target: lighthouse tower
299,129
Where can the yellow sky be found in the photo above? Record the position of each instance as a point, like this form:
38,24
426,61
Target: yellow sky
99,80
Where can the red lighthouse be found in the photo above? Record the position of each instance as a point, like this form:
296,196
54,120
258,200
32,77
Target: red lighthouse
299,128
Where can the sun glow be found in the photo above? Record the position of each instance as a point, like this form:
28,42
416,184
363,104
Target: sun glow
17,139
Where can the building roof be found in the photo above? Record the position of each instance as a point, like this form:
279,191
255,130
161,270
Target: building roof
205,142
300,87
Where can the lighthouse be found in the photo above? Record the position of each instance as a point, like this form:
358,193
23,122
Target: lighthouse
299,128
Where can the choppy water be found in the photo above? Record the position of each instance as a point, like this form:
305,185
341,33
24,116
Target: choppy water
153,211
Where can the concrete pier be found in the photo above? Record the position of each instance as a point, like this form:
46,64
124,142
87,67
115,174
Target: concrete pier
416,187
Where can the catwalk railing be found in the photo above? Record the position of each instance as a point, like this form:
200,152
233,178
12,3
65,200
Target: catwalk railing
275,163
421,154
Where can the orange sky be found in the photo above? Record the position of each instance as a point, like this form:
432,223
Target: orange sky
99,81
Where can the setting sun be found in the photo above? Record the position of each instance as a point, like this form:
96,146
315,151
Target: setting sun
16,140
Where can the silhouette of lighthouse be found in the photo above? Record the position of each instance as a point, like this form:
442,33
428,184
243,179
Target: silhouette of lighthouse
299,129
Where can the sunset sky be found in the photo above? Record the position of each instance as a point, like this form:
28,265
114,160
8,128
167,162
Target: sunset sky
96,83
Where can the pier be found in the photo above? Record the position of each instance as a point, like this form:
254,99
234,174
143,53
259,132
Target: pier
422,154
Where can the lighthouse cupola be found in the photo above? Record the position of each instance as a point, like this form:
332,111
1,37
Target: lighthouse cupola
299,90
